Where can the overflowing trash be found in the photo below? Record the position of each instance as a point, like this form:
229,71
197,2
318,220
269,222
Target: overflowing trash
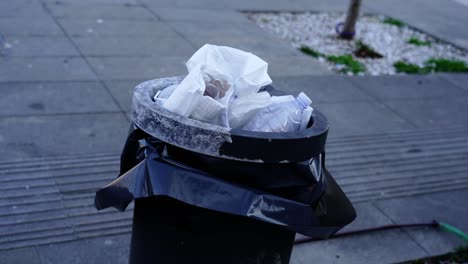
222,88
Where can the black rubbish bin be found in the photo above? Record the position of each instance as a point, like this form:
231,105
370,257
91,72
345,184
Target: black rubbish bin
205,194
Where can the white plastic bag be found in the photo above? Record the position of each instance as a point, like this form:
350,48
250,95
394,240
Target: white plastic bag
186,96
216,76
242,109
247,72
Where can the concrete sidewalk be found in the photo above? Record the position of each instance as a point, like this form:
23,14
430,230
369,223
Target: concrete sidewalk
67,69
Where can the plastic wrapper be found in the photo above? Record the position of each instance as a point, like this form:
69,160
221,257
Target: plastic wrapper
301,197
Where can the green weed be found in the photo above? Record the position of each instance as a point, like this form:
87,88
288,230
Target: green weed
432,65
351,65
418,42
395,22
444,65
401,66
310,52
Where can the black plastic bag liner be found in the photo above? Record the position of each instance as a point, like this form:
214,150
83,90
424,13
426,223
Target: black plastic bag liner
159,174
278,178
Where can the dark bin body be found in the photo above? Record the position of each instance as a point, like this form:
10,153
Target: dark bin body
168,231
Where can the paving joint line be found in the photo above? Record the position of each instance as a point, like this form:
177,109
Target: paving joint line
75,45
169,25
379,101
401,229
456,84
59,114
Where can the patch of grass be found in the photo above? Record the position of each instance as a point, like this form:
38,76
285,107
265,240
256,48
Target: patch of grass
418,42
310,52
432,65
351,65
365,51
444,65
459,256
395,22
401,66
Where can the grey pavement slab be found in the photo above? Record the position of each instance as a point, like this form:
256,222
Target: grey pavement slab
324,5
266,5
44,69
201,4
434,241
258,46
122,91
93,2
260,5
37,136
434,112
199,15
54,98
460,80
20,256
35,26
358,118
251,30
218,29
408,86
384,247
101,250
141,46
445,19
138,68
294,5
74,10
323,89
367,216
22,8
279,5
20,46
134,28
448,207
279,66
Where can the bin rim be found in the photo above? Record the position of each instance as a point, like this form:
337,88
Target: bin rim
216,137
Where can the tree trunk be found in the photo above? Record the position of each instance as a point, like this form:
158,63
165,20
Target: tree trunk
348,30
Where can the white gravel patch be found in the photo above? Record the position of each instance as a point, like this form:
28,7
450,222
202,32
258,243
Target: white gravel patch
317,31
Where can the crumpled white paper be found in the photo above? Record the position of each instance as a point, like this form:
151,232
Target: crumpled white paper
247,72
218,76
